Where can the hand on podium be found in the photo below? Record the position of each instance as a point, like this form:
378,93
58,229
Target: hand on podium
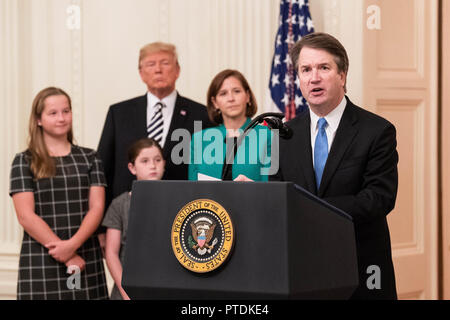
241,177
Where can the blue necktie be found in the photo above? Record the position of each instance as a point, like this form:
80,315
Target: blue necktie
320,150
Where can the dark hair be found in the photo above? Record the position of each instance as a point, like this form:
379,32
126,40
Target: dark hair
324,41
214,88
137,146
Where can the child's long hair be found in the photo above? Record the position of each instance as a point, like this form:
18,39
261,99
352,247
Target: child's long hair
42,165
139,145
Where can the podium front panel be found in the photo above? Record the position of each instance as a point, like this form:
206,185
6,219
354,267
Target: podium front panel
271,243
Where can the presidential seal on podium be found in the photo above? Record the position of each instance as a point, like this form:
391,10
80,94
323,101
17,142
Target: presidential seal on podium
202,236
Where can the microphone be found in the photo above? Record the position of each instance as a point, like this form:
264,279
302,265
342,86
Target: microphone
273,120
277,123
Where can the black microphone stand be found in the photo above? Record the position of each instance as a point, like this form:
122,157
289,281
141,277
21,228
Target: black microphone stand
273,120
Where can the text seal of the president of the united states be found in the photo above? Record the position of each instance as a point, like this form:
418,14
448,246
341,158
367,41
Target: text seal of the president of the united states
202,235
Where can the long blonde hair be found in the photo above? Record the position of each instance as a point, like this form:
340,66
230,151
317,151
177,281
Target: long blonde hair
42,165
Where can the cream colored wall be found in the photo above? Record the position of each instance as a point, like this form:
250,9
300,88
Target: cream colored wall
401,75
346,21
9,137
97,64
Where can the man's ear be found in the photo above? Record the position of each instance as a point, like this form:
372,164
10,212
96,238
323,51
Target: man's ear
343,78
178,70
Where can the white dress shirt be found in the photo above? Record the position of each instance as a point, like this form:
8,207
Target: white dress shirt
333,119
167,111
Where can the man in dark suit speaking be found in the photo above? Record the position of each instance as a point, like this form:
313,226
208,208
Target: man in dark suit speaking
156,115
346,156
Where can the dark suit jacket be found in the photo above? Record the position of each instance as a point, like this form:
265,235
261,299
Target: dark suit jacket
125,123
360,177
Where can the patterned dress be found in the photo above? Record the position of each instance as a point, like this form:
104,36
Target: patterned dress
62,202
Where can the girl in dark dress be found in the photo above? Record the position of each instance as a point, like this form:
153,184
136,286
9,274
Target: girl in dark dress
58,193
146,162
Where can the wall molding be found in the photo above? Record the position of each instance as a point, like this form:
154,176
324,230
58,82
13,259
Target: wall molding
76,57
10,233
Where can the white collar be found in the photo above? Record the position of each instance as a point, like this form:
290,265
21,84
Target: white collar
333,118
168,101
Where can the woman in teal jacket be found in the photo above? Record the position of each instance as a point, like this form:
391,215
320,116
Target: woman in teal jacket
231,104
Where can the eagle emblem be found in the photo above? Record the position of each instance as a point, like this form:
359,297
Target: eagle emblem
202,234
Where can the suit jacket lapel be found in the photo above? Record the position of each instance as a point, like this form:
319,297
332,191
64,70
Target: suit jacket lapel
344,137
179,117
141,116
305,153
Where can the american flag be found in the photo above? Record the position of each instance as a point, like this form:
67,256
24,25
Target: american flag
294,22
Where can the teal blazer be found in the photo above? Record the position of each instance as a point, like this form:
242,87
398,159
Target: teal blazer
208,151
